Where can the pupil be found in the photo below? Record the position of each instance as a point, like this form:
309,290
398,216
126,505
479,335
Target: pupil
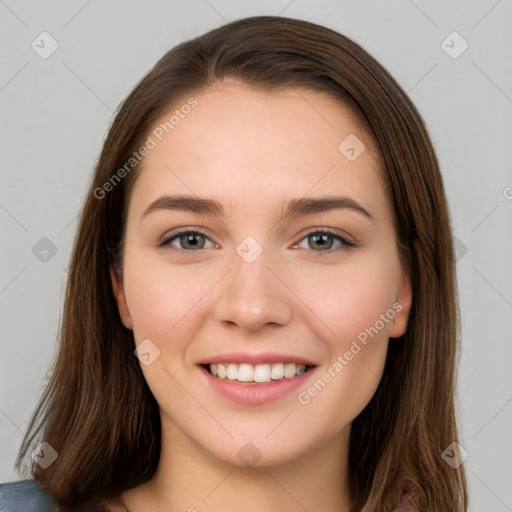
323,237
190,239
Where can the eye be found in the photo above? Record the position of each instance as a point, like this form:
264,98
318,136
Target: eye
320,238
192,241
188,239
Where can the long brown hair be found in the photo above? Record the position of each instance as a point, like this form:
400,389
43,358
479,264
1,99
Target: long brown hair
97,411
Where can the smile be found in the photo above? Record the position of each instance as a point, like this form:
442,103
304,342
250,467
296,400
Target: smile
259,373
288,378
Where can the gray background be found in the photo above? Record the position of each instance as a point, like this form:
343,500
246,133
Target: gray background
55,113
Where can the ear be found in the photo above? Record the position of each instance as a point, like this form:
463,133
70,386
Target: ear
118,289
402,307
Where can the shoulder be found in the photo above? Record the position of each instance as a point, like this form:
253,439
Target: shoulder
24,496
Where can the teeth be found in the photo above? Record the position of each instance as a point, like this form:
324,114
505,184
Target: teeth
277,371
266,372
245,373
289,370
262,373
233,372
221,370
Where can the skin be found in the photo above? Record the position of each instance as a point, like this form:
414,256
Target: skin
253,151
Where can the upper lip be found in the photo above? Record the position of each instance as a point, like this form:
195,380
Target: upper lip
263,357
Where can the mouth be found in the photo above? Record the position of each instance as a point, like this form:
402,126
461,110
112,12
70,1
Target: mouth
256,378
257,374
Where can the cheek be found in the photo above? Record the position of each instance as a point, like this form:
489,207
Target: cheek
161,299
356,303
350,298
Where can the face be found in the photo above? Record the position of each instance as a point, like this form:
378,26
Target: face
321,287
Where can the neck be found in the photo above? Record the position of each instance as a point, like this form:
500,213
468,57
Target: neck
189,478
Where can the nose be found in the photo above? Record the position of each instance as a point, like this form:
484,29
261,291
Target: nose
253,295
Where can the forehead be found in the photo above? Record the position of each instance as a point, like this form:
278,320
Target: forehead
240,144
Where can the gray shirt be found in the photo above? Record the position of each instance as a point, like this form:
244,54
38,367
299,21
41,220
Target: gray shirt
24,496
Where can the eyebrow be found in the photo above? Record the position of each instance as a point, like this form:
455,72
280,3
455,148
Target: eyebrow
295,207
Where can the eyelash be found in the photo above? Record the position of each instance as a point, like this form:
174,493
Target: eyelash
346,244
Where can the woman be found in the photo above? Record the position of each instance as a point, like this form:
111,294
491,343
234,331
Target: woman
254,368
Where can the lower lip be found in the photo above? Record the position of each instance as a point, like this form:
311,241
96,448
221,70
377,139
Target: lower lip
255,394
